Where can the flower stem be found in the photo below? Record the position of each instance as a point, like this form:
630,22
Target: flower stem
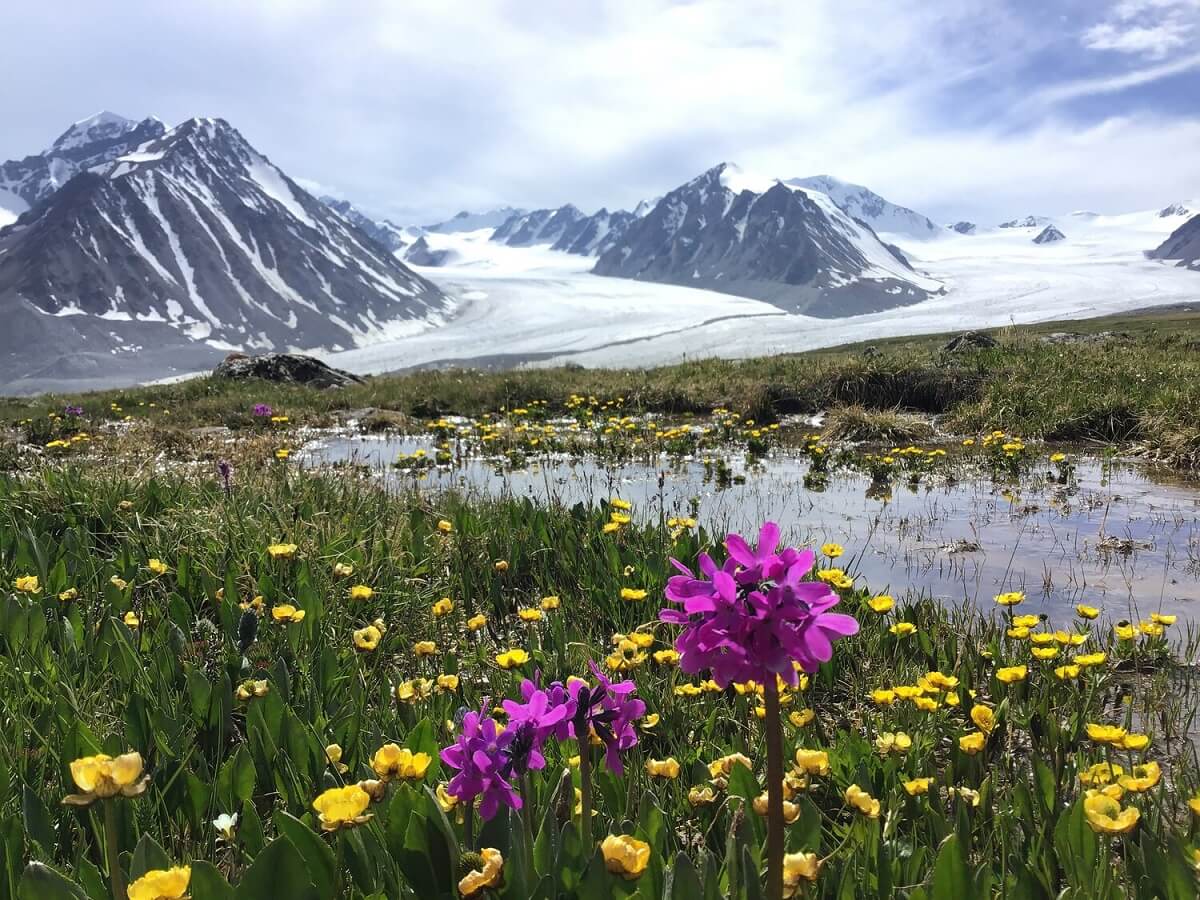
527,818
775,825
112,849
585,792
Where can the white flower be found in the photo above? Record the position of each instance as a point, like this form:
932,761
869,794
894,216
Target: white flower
225,825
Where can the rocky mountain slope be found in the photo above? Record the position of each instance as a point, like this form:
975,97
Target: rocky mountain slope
766,239
191,244
1182,246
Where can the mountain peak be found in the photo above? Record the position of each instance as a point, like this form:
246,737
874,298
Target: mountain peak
104,125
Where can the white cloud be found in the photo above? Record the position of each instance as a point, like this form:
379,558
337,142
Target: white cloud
418,109
1156,41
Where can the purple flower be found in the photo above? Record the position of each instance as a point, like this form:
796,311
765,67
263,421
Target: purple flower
609,711
73,411
262,409
531,723
225,471
751,619
481,758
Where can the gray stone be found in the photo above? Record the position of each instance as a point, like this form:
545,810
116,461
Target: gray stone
287,368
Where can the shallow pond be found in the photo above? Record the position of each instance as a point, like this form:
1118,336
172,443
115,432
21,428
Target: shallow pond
1117,536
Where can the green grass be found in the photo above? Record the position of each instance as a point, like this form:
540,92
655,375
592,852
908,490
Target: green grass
1143,388
80,681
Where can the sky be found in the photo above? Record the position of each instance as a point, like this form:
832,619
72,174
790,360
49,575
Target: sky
962,109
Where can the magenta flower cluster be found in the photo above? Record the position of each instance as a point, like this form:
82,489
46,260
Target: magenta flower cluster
751,618
489,758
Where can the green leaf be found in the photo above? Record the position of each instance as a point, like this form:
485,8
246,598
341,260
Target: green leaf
40,882
147,855
278,871
37,820
684,882
208,883
318,855
951,880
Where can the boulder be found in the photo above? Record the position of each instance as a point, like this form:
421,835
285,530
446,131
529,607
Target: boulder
970,340
285,368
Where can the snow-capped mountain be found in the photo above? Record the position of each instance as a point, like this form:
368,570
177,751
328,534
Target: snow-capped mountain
473,221
1183,245
89,142
1049,235
199,235
865,205
389,235
594,234
1027,222
541,226
767,239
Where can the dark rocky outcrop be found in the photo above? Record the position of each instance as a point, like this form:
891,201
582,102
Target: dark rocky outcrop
285,368
970,340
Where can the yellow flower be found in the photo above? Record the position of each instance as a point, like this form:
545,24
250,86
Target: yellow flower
157,566
882,603
1105,734
702,796
500,565
1018,633
964,793
1160,619
361,592
618,503
687,690
1064,673
68,595
883,696
1087,612
1152,629
424,648
625,856
1135,741
530,614
942,682
413,690
442,607
666,657
925,704
131,619
983,717
444,527
285,612
889,742
1088,660
391,761
342,570
27,584
663,768
903,628
282,551
511,659
633,594
1101,773
1057,457
972,743
1125,632
282,453
1141,778
811,762
551,602
1104,814
797,867
1026,621
1012,674
161,884
448,683
862,801
1044,652
367,638
488,875
801,717
342,807
333,753
1010,598
917,786
249,689
101,776
725,764
1194,805
476,622
791,811
833,551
